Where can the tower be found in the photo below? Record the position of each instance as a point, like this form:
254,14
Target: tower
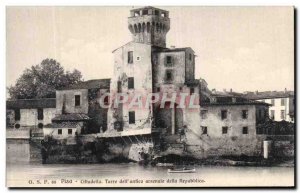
149,25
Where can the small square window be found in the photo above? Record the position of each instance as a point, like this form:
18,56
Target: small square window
131,117
70,131
40,114
59,131
282,102
130,57
224,114
192,91
156,12
169,75
204,130
245,114
138,58
77,100
224,130
158,89
169,61
245,130
130,83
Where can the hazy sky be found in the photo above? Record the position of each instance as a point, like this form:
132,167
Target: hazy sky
243,48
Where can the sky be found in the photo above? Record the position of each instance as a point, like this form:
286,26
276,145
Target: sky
239,48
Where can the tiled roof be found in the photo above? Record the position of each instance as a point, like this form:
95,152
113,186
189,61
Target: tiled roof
269,94
235,103
71,117
31,103
90,84
63,125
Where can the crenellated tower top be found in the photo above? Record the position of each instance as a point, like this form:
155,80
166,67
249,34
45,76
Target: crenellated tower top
149,25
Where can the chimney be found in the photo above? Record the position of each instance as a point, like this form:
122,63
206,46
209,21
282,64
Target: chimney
231,90
256,92
285,90
213,91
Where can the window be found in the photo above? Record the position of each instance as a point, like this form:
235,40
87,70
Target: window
204,130
119,87
273,102
40,125
282,102
138,58
245,130
77,100
131,117
190,56
156,12
59,131
130,57
17,115
136,13
70,131
40,114
272,114
203,114
169,75
224,130
106,100
130,83
169,61
192,90
224,114
259,113
158,89
145,12
245,114
163,14
282,114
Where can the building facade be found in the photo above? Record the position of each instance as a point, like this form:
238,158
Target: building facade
30,113
282,103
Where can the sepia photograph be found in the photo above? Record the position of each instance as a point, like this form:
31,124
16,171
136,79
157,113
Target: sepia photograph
150,96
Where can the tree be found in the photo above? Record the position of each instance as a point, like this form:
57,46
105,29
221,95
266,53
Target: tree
41,81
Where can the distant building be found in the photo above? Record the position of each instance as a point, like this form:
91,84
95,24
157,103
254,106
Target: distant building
282,103
30,113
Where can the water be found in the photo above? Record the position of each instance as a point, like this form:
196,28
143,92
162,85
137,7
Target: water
74,175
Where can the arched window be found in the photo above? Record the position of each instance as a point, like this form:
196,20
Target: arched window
148,27
131,28
143,27
135,29
140,28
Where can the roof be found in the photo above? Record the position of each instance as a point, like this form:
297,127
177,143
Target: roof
31,103
176,49
269,94
71,117
90,84
235,103
63,125
147,7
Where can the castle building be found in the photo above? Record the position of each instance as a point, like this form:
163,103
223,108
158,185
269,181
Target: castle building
144,66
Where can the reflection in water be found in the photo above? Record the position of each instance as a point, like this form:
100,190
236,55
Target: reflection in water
212,175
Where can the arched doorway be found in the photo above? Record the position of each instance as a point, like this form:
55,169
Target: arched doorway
168,118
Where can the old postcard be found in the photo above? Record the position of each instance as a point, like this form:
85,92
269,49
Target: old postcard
150,96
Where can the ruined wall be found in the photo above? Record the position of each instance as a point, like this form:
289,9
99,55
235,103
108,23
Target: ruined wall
141,71
69,97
